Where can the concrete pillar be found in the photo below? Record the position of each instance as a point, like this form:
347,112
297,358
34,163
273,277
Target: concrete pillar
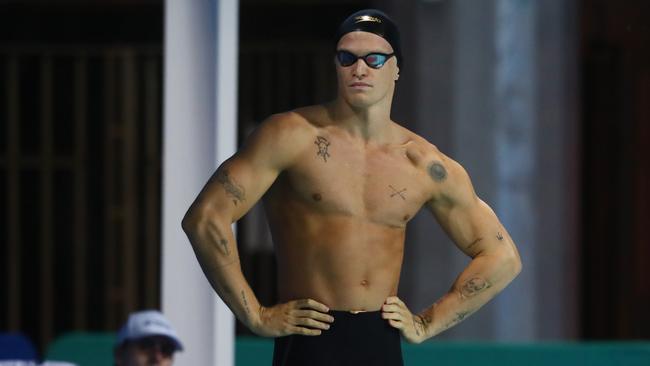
200,91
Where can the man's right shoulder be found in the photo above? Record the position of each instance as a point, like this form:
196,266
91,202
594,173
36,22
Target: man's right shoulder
282,137
287,125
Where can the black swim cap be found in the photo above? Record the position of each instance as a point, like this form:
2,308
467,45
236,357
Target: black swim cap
373,21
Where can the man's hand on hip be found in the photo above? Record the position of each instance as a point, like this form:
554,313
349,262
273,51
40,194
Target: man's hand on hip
305,317
399,316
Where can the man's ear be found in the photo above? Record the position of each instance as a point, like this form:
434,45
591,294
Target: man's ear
397,73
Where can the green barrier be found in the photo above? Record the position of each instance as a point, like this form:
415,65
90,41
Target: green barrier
92,349
96,349
528,354
251,351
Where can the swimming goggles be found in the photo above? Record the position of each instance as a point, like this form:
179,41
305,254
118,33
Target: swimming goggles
374,60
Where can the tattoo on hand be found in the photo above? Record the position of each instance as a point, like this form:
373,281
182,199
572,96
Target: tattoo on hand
499,236
473,287
437,172
397,193
233,189
323,146
243,295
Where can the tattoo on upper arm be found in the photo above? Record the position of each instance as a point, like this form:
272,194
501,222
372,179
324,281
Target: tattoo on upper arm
499,236
437,172
397,193
233,189
473,287
323,146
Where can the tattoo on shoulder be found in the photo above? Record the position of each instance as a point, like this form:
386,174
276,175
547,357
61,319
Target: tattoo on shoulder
473,287
323,145
233,189
437,171
499,236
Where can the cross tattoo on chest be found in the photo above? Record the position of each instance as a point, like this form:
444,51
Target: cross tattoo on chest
397,193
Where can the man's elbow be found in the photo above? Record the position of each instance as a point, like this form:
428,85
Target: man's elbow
200,217
513,262
193,219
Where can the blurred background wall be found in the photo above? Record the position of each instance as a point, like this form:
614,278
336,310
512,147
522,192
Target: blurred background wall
544,102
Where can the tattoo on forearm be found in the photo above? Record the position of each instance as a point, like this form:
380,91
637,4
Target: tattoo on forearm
473,287
458,318
437,172
233,189
243,295
323,146
499,236
220,239
397,193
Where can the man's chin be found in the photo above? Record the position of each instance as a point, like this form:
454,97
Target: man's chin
360,101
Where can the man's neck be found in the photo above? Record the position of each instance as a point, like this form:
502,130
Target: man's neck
372,123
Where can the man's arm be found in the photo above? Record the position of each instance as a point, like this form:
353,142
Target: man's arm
231,191
476,230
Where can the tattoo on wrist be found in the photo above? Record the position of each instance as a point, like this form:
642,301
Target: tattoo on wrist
473,287
400,193
437,172
233,189
323,145
418,324
421,322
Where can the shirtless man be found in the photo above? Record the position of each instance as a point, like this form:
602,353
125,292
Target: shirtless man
340,182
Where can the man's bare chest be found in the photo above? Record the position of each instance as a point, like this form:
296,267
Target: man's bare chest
381,185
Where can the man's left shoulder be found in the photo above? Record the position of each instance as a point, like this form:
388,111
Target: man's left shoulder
420,150
439,166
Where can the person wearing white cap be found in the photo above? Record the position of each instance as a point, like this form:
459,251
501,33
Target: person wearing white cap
147,338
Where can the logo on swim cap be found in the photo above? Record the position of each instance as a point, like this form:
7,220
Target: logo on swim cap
366,18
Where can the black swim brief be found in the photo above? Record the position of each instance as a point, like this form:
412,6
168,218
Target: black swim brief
353,339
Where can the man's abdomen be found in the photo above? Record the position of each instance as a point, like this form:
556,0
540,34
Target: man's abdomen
344,262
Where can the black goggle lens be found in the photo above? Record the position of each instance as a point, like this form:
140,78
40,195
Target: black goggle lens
373,60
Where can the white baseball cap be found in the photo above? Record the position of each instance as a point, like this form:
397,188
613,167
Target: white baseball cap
147,323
